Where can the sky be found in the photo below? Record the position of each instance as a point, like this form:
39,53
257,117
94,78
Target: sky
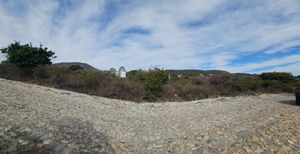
248,36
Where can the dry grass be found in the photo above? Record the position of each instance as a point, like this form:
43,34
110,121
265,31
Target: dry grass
136,87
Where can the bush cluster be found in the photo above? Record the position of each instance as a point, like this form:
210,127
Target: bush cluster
278,76
27,56
152,85
32,64
154,80
91,82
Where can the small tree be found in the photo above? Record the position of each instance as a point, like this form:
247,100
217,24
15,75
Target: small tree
154,80
27,56
113,71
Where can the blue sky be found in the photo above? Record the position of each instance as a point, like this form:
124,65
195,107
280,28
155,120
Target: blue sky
234,35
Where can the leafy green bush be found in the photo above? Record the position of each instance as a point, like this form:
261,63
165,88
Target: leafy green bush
27,56
154,80
279,76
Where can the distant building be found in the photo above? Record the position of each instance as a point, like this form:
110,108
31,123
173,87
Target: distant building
122,72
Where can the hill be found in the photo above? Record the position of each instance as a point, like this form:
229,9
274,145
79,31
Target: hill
85,66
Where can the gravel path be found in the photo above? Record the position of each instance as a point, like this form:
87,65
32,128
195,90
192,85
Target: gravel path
36,119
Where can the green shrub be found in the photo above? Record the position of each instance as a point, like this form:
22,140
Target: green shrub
218,79
138,75
113,71
58,77
228,88
187,92
276,86
86,80
198,81
82,80
40,72
279,76
75,68
96,83
154,80
10,71
122,88
249,83
27,56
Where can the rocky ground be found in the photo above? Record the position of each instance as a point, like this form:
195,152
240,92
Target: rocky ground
36,119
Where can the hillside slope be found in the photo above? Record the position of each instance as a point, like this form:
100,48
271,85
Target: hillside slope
85,66
36,119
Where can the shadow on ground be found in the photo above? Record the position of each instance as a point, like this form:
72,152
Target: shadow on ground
288,102
66,136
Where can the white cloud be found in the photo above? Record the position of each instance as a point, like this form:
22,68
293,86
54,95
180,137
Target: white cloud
293,68
269,63
283,47
92,31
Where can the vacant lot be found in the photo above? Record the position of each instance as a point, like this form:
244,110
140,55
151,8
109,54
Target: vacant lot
40,119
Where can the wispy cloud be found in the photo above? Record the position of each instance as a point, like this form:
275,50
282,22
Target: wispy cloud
220,34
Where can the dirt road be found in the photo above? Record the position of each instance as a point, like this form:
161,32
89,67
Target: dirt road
36,119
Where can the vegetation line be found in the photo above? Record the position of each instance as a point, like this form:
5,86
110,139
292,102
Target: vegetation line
33,64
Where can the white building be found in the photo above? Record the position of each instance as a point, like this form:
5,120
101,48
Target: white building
122,72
